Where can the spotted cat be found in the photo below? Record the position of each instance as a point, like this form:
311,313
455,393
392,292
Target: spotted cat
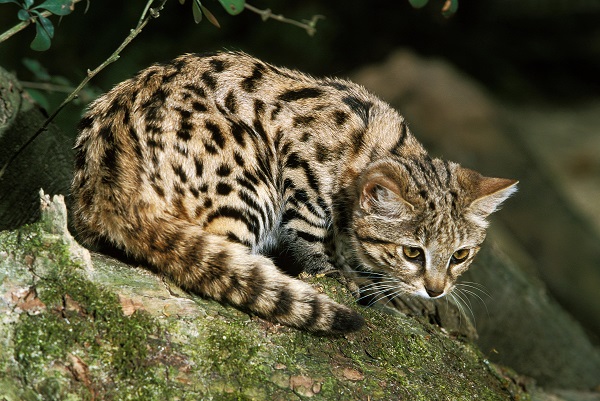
208,165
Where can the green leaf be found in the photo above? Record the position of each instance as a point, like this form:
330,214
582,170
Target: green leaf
28,3
41,41
209,16
23,15
418,3
10,1
39,98
233,7
38,70
196,11
181,1
57,7
450,7
45,23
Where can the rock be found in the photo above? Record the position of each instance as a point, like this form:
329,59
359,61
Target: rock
45,163
106,330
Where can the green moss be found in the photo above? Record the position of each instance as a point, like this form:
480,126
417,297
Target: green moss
81,328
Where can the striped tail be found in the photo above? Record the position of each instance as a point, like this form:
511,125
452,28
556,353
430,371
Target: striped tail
211,265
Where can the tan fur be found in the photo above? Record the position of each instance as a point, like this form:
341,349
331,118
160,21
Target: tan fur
206,166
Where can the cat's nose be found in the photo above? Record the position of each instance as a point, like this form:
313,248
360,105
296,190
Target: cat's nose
434,292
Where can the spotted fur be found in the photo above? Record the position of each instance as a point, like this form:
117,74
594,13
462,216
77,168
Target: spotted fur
207,165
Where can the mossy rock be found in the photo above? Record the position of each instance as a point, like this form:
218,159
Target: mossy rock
73,329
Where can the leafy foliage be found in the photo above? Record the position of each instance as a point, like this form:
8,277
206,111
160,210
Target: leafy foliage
233,7
39,15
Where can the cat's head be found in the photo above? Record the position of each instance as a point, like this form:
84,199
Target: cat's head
418,223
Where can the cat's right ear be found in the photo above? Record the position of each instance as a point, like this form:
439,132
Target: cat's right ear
382,196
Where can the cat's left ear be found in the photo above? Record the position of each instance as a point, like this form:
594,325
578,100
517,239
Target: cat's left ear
487,193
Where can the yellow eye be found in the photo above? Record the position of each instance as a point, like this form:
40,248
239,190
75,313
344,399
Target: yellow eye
460,255
412,252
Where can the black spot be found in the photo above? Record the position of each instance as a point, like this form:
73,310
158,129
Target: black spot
223,188
309,237
231,102
178,170
159,191
293,161
168,77
217,65
423,194
208,203
246,184
298,94
238,159
209,79
238,134
210,149
340,117
223,170
181,191
181,148
250,83
286,148
194,192
322,153
153,106
360,107
199,107
305,137
275,112
346,320
203,188
216,134
303,120
357,139
153,143
259,107
107,135
196,90
184,135
199,167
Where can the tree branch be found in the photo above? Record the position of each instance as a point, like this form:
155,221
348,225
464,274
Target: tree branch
148,13
308,25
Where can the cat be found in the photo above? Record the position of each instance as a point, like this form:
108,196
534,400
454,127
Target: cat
206,166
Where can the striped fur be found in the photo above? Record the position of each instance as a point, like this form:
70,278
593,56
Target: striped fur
206,165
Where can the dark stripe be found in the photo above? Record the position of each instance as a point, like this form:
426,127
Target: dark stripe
239,160
80,157
248,219
209,79
234,238
396,149
246,184
309,237
231,102
284,303
178,170
250,83
360,107
251,203
238,134
199,167
373,240
215,133
275,111
259,108
210,149
357,139
298,94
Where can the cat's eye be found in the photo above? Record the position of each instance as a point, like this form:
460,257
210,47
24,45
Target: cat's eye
412,252
460,256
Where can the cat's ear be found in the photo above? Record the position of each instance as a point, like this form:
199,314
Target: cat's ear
486,193
382,196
